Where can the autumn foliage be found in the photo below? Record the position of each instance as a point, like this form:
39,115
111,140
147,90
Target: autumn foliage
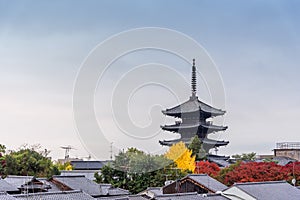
182,156
259,171
205,167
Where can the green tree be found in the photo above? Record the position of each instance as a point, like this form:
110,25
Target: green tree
2,160
134,170
222,174
196,147
245,156
29,161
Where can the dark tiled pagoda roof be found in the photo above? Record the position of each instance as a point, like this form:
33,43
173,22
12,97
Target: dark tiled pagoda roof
206,141
191,106
182,126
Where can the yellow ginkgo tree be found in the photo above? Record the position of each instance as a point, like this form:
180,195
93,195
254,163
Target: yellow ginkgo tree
182,156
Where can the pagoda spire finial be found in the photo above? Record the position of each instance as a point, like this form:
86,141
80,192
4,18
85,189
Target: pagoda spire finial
194,80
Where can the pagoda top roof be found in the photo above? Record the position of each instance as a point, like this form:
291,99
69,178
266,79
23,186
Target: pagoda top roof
193,105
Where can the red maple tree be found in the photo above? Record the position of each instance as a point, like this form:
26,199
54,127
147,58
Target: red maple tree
205,167
256,172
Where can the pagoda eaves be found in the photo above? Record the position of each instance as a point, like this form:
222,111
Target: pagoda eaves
185,127
191,106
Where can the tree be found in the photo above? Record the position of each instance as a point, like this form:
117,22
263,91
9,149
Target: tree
245,156
292,170
182,156
65,166
206,167
134,170
196,147
2,160
253,172
29,161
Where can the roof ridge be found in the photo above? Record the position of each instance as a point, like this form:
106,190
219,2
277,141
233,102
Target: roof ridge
49,193
262,182
198,175
177,194
64,176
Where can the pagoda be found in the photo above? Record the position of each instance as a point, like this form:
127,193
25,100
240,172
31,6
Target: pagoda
194,115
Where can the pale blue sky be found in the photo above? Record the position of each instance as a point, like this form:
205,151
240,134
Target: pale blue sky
255,45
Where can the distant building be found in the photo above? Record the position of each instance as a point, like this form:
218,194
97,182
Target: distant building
85,168
65,160
288,149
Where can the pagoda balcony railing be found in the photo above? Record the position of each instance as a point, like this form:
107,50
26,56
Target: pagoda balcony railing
288,145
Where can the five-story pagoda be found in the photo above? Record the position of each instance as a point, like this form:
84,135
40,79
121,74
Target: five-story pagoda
194,116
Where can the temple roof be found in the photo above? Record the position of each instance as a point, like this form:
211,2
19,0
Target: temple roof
193,105
182,126
206,141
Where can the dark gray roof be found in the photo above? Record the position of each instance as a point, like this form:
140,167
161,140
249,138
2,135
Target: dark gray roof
6,187
66,195
210,128
90,174
87,165
17,181
221,163
80,183
5,196
207,181
282,160
193,105
179,196
122,197
275,190
214,197
53,188
191,196
88,186
133,197
206,141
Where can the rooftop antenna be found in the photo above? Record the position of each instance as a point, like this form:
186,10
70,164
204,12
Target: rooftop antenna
194,80
67,151
111,150
216,150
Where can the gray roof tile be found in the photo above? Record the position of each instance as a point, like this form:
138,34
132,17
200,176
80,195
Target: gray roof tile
191,196
5,196
275,190
6,187
87,165
66,195
17,181
208,182
88,186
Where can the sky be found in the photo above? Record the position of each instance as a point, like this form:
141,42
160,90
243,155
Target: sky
255,46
